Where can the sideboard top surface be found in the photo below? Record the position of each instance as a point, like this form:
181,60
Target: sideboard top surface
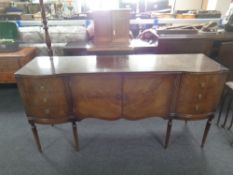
42,66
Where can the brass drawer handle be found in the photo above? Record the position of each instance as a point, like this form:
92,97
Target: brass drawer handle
203,84
197,107
41,87
47,111
199,96
45,100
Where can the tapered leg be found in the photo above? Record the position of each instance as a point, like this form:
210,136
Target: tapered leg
36,136
186,122
169,127
231,123
221,106
228,110
207,128
75,134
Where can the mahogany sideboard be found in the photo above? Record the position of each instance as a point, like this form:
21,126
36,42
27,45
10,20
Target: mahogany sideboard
10,62
68,89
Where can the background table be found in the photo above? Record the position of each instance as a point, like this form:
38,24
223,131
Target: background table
10,62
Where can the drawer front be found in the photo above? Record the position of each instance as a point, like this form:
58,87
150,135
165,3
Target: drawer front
199,93
44,97
148,95
96,96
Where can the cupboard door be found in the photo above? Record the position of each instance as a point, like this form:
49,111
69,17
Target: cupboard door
96,96
45,99
199,94
148,95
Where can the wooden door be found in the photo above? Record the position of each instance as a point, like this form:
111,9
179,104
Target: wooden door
96,96
199,94
148,95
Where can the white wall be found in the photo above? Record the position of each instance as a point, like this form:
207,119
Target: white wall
188,4
222,6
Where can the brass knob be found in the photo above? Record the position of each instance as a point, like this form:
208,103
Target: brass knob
199,96
203,84
44,99
47,111
197,107
41,87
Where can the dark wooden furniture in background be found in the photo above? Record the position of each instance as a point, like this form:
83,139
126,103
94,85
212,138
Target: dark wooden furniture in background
10,62
218,46
182,86
135,46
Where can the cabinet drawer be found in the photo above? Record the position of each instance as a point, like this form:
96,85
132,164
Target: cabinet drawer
199,93
44,97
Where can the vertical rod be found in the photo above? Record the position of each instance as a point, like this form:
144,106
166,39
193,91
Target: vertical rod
45,26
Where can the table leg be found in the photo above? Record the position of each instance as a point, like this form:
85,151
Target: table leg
221,106
169,127
231,123
75,134
228,110
36,136
207,128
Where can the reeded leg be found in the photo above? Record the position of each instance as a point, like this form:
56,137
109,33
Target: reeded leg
207,128
36,136
230,124
169,127
228,110
75,134
221,107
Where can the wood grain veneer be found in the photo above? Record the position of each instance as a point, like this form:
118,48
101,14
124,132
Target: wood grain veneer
182,86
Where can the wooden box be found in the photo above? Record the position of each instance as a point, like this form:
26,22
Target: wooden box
111,26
